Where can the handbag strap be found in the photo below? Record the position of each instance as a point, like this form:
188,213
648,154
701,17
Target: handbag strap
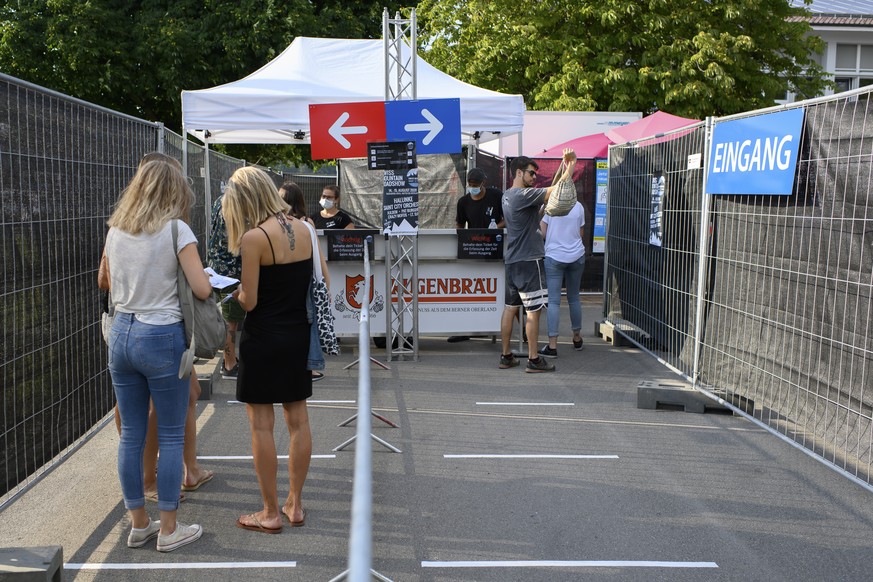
316,253
559,173
181,281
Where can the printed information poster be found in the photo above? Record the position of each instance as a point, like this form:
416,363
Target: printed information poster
656,227
348,245
601,180
400,202
480,243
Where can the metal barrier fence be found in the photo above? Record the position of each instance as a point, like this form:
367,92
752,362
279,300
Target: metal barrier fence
63,164
762,301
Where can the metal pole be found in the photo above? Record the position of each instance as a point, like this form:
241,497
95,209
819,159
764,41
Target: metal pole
703,255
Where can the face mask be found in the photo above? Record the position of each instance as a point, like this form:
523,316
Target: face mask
474,191
326,203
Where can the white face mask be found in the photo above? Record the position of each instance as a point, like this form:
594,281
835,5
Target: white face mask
326,203
474,191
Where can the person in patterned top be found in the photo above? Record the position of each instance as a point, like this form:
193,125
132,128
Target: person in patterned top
224,263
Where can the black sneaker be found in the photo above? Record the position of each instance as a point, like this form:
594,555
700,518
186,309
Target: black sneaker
539,365
548,352
230,374
509,361
577,345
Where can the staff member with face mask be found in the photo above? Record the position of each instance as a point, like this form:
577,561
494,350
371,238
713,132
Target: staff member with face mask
331,217
481,207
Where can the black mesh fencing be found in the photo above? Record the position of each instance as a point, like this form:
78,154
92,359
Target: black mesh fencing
786,297
63,165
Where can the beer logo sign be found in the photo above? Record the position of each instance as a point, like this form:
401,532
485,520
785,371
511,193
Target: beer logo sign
352,299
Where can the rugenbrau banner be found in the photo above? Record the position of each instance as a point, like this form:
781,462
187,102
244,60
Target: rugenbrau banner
756,155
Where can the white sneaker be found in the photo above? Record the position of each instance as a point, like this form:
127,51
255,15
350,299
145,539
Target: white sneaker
184,534
140,537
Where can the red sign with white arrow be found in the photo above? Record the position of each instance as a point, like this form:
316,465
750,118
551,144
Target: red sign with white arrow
342,130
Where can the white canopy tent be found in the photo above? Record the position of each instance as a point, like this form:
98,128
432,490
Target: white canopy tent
272,104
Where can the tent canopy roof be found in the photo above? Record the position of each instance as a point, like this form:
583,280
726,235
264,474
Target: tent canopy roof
587,146
657,122
271,105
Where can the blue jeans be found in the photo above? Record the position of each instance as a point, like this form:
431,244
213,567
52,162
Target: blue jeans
556,272
144,364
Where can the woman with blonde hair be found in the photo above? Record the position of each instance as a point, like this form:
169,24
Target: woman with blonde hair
148,338
276,272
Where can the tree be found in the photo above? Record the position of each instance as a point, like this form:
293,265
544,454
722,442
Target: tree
136,56
689,57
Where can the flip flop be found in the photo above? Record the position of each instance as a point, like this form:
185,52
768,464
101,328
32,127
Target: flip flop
257,525
300,523
203,481
316,376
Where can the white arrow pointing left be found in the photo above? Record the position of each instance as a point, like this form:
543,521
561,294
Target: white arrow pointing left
433,127
339,132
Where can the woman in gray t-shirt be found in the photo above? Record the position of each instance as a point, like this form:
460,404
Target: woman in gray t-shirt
147,340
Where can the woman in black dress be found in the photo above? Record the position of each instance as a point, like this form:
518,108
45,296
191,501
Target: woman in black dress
276,271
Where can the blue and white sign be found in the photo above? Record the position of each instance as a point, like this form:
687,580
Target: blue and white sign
434,124
756,155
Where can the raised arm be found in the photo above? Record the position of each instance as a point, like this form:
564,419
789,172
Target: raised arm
570,164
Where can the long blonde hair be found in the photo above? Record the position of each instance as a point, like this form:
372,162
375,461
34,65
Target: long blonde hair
250,198
157,193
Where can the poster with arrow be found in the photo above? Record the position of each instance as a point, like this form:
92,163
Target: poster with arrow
343,130
434,124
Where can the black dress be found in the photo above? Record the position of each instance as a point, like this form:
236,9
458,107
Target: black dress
274,344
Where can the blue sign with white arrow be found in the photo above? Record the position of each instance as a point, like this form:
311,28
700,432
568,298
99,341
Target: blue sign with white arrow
434,124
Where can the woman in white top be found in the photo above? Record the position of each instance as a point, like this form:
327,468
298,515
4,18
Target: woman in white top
565,261
148,338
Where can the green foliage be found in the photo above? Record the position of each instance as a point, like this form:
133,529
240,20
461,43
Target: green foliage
689,57
136,56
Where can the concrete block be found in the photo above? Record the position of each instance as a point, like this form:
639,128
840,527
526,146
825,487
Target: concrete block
609,334
37,564
675,395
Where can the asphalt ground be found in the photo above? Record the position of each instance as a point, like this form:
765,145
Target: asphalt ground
503,475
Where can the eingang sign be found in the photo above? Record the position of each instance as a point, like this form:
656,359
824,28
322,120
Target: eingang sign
755,155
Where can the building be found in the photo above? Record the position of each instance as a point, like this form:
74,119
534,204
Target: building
846,26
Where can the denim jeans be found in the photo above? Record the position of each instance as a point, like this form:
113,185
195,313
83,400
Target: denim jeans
144,363
556,272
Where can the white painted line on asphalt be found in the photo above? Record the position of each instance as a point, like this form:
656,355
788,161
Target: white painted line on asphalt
308,402
250,457
525,404
530,456
180,566
569,564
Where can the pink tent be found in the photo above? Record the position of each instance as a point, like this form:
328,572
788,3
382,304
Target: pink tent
654,124
587,146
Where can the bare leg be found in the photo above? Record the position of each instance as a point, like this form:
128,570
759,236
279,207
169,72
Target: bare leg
230,348
533,329
150,454
299,454
193,471
261,419
506,322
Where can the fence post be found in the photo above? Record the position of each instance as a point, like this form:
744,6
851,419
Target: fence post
703,252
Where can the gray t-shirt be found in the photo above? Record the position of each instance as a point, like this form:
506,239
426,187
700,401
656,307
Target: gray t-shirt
142,271
521,210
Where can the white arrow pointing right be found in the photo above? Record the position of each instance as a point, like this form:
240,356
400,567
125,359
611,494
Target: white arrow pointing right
339,132
433,126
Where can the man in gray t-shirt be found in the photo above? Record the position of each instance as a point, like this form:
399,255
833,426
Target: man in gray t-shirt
525,274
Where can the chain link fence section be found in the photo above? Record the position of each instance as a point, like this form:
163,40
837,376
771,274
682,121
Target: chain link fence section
63,163
787,296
